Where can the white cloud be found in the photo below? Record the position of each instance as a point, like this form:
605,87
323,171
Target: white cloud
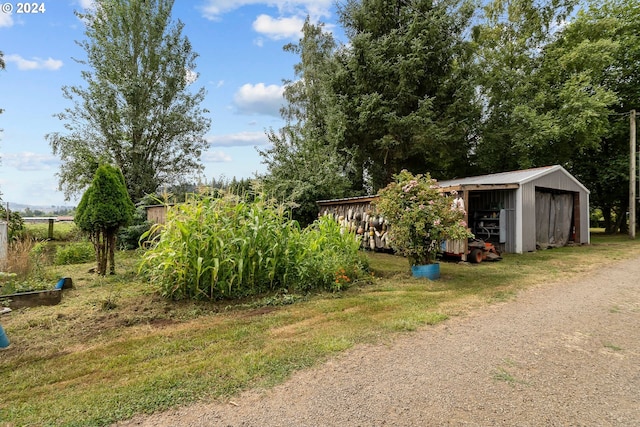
240,139
27,161
279,28
216,157
6,19
191,76
316,9
34,63
259,99
86,4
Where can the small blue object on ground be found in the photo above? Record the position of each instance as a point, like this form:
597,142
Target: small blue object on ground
60,283
429,271
4,340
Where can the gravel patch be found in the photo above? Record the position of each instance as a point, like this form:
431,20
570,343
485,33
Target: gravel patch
562,354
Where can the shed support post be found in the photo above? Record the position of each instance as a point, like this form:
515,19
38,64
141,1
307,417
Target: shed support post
465,243
632,175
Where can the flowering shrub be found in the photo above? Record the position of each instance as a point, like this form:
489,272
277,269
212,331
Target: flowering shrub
421,216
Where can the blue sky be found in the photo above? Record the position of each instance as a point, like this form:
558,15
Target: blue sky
241,65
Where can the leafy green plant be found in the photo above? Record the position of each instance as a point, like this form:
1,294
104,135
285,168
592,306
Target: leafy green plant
25,285
15,224
228,247
421,216
130,237
74,253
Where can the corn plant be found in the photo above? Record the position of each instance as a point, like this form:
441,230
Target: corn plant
226,247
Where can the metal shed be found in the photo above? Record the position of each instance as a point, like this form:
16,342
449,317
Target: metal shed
517,211
524,210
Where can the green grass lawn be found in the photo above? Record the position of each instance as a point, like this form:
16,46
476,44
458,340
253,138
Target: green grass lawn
113,348
63,231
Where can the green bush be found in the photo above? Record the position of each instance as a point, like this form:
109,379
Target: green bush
129,237
75,253
212,248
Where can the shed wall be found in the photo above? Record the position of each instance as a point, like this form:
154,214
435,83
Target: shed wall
556,181
157,214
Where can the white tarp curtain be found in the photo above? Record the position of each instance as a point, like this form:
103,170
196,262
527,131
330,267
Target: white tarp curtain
554,213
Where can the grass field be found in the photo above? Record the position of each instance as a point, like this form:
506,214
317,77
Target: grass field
113,348
63,231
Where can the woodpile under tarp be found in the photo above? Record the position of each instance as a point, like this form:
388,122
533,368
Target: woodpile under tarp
358,215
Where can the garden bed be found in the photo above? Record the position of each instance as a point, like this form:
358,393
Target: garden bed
37,298
32,299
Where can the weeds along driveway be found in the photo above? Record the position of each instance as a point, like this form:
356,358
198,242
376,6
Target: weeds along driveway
560,354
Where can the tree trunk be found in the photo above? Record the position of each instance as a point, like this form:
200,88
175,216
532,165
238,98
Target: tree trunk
608,223
103,247
95,239
111,243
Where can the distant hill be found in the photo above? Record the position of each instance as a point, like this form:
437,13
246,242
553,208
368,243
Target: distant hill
47,209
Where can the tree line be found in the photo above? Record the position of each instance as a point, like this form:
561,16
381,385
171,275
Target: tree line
457,89
450,87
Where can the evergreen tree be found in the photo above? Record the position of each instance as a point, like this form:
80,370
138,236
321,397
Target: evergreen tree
304,164
104,208
404,89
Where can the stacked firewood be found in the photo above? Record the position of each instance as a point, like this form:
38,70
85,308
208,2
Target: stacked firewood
370,228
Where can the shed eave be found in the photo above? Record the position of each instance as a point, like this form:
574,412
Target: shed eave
347,200
480,187
552,169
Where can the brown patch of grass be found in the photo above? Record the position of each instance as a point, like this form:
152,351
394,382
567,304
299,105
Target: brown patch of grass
19,260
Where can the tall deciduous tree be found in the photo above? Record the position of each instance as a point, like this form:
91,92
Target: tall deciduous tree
561,95
604,167
510,42
137,110
104,208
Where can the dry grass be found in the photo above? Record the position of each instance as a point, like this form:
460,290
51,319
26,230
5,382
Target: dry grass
19,260
113,348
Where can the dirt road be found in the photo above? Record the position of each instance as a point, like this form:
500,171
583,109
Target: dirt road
564,354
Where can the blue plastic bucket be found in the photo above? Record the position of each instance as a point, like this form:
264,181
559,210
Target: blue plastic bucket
4,340
429,271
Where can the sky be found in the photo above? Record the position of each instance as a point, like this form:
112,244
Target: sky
241,65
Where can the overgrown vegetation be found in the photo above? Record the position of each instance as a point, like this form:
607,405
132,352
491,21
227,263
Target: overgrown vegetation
26,262
227,247
74,253
113,349
15,224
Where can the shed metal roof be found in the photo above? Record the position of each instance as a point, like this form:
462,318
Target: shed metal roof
506,178
502,180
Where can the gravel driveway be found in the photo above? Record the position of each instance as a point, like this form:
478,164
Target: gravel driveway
564,354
